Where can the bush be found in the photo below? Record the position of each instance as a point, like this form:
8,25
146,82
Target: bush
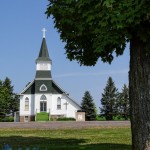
7,119
100,118
65,119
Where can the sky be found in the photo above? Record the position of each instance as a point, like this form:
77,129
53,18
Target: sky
21,23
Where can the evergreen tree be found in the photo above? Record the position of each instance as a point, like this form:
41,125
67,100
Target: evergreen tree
9,101
88,106
8,95
109,100
2,100
123,103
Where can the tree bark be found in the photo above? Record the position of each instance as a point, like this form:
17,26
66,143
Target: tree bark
139,93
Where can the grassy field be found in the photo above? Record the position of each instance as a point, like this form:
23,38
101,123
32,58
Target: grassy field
74,139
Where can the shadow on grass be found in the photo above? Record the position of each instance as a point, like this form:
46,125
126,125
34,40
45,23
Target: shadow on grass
43,143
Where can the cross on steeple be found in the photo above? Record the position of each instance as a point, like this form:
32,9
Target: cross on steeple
43,30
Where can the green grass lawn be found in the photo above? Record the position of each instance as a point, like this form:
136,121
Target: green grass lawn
84,139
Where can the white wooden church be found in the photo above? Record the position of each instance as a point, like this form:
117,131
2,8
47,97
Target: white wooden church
43,94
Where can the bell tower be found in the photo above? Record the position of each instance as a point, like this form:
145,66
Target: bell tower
43,62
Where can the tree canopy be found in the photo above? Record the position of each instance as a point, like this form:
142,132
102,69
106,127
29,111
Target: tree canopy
93,29
99,28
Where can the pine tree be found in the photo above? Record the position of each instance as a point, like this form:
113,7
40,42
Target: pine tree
88,106
109,100
123,104
2,100
8,99
8,95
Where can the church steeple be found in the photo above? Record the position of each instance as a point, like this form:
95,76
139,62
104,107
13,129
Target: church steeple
43,62
43,54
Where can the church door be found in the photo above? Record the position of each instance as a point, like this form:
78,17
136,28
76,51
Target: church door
43,106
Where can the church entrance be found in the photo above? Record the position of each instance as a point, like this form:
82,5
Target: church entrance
43,106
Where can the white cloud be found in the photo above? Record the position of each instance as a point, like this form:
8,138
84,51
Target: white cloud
75,74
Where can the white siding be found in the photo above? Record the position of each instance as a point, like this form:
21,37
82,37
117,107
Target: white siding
42,65
34,105
24,112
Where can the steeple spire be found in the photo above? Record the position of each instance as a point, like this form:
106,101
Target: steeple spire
43,54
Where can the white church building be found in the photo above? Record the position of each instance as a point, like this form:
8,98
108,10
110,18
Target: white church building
43,94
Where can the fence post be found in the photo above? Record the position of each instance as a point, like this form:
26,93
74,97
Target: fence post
35,114
49,115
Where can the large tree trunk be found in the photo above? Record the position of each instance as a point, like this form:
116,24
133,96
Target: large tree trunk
139,92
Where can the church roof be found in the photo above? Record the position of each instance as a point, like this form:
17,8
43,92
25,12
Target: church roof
43,54
52,88
34,87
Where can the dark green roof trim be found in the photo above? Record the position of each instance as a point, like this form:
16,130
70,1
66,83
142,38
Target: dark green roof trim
43,55
30,89
43,74
56,89
34,87
39,83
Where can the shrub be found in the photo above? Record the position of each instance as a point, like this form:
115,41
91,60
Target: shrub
7,119
65,119
100,118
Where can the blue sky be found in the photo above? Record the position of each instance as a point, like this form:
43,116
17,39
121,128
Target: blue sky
20,41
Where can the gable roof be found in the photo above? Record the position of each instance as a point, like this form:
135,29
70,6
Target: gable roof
73,101
29,89
34,86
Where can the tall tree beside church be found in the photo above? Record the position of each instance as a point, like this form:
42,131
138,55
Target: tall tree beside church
123,102
8,99
109,100
2,100
94,29
8,94
88,106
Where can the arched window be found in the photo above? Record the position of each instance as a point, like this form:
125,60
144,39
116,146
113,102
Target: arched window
26,103
43,103
58,103
43,88
43,97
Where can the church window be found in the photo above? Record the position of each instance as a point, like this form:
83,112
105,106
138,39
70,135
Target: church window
26,103
43,88
43,97
58,103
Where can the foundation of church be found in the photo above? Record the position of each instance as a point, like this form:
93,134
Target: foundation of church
27,118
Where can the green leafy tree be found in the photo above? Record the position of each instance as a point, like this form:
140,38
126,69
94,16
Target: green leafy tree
109,100
8,95
88,106
2,100
8,99
94,29
123,103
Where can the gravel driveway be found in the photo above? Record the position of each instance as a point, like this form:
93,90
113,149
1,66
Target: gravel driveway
63,124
